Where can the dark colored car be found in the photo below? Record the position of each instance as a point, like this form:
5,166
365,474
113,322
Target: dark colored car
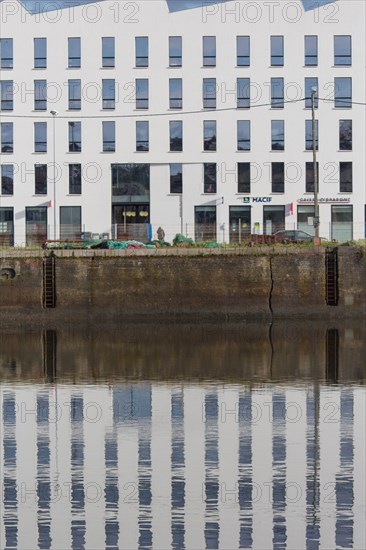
292,235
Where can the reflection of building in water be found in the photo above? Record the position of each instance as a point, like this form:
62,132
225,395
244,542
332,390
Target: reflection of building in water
175,466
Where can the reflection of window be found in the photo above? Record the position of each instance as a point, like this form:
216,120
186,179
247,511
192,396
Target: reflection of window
74,137
40,95
176,135
7,179
311,51
7,139
277,93
309,186
175,93
75,179
243,93
243,177
7,92
342,50
142,51
209,51
243,51
40,53
277,135
40,177
6,53
345,177
277,53
345,135
209,93
278,177
74,94
343,92
209,135
142,93
209,177
74,52
243,135
309,135
142,135
176,178
175,51
109,136
131,180
40,137
311,83
108,51
108,93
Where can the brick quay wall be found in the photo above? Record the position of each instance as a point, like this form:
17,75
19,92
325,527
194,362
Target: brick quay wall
182,284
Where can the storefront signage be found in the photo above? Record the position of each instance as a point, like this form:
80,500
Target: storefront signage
247,200
339,200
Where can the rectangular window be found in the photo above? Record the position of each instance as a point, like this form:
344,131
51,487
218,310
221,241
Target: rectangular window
74,52
74,137
175,51
277,93
40,179
7,226
243,51
7,137
108,94
278,177
309,135
40,137
7,179
342,223
142,93
345,135
209,93
243,135
7,95
142,135
243,93
40,95
74,179
176,178
209,51
70,222
343,93
209,177
40,53
109,136
310,84
175,93
311,51
345,177
243,177
6,53
142,51
129,181
277,135
36,225
277,51
342,50
176,135
108,51
309,186
209,135
205,223
74,86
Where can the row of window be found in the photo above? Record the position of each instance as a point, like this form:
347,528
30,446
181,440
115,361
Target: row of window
175,136
342,91
342,51
244,180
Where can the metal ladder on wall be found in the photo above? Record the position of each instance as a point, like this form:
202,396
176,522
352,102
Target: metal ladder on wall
49,281
331,273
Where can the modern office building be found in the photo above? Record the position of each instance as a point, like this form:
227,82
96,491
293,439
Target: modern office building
120,117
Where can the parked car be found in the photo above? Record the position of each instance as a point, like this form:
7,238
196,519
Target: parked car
292,235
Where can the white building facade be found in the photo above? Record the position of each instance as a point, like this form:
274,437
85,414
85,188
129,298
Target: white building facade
120,117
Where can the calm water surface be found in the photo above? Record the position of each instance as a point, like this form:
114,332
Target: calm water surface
244,436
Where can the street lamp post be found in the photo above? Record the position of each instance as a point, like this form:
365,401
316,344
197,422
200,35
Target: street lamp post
316,220
54,114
